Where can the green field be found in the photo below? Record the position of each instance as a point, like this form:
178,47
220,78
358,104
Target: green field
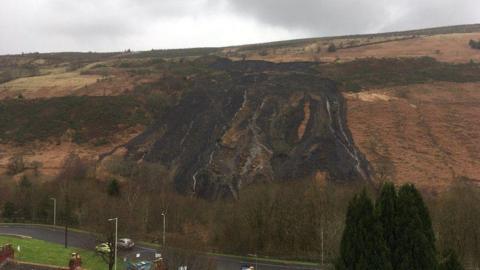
42,252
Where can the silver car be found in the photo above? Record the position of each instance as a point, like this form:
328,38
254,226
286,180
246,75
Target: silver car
125,243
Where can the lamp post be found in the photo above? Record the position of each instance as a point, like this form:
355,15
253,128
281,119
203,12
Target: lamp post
54,212
163,242
116,234
322,243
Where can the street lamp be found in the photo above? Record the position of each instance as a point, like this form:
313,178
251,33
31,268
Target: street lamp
116,233
164,215
322,242
54,212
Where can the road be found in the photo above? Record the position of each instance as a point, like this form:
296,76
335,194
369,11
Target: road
88,241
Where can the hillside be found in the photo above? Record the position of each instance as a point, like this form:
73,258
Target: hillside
400,106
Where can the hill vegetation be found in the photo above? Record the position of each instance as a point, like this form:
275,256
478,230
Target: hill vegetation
256,148
387,72
83,119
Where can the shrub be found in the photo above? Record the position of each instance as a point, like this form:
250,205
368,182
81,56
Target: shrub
8,210
332,48
450,261
113,188
474,44
15,165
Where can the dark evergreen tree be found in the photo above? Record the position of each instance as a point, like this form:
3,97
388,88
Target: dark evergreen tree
415,245
113,188
386,208
8,210
450,261
362,246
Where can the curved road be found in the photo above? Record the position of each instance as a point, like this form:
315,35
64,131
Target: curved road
88,241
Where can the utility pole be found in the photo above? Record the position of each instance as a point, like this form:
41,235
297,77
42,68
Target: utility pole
116,237
54,212
164,223
66,234
322,242
67,218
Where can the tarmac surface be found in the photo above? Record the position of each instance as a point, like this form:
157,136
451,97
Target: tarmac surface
88,241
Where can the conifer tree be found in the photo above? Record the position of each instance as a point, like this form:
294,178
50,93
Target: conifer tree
386,209
415,245
113,188
362,246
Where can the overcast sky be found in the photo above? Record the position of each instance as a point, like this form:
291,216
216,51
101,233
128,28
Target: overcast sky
112,25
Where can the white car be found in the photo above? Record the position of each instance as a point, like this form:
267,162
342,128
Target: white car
247,267
125,243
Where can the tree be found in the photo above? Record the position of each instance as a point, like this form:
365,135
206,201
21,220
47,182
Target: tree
74,169
457,223
362,245
450,261
474,44
415,245
108,256
24,195
332,48
386,208
15,165
8,210
113,188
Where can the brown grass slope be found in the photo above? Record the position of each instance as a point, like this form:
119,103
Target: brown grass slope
414,114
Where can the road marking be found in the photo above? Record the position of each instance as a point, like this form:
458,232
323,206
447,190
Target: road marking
279,265
17,235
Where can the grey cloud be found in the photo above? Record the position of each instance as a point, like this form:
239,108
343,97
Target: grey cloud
334,17
113,18
418,14
31,25
46,25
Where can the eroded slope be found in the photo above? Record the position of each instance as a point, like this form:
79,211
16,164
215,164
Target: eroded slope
253,121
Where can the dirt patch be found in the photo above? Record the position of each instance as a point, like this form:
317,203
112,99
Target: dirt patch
427,134
49,157
47,85
306,118
369,96
447,48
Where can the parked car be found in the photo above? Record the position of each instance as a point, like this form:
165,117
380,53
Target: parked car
103,248
125,243
247,267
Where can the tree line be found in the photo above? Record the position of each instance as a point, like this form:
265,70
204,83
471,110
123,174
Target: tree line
301,220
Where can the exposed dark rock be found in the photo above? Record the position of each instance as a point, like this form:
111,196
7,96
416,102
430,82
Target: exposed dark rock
251,121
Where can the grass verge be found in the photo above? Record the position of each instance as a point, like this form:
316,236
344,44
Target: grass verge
42,252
